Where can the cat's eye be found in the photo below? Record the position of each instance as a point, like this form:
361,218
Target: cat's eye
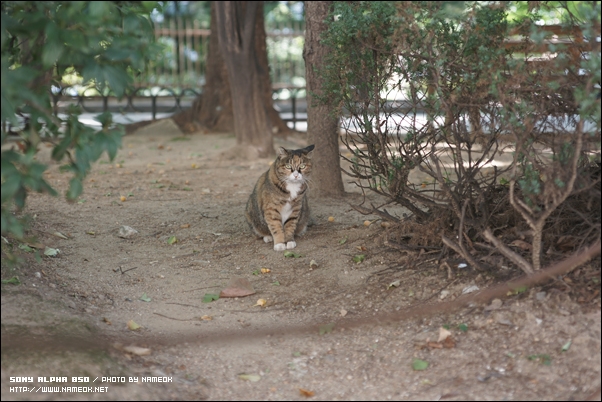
288,166
302,166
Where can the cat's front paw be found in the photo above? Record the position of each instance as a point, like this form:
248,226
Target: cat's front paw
279,247
267,239
291,245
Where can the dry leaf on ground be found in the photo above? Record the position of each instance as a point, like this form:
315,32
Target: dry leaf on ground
238,287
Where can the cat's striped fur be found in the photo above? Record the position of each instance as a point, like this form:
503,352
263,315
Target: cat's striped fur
277,210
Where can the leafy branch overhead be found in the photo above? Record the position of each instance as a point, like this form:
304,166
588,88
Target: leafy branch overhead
102,44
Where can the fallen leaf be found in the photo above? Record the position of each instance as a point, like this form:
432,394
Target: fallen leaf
306,393
367,223
238,287
326,328
313,264
133,326
60,235
290,254
521,244
51,252
443,334
185,226
265,270
449,342
12,281
145,298
394,284
260,303
419,365
107,321
172,240
250,377
209,297
343,312
343,240
566,243
566,346
123,198
359,258
26,248
331,219
207,318
137,350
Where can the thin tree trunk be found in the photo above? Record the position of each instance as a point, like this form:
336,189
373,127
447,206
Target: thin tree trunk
322,128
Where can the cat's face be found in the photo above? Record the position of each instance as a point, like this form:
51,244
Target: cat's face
294,165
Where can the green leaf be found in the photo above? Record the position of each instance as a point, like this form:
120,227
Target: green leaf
25,247
75,188
419,365
566,346
463,327
290,254
145,298
343,240
209,297
12,281
544,359
276,283
172,240
359,258
326,328
256,272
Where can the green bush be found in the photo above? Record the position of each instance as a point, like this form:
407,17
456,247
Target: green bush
432,86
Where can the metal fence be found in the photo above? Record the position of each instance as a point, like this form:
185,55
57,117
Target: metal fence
183,63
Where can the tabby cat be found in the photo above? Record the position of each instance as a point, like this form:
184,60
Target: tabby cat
277,209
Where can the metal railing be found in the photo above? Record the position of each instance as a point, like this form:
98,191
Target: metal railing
289,101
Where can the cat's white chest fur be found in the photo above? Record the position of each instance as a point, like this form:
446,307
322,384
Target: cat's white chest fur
287,209
293,188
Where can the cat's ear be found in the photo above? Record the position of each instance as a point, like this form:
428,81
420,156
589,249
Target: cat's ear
309,150
282,152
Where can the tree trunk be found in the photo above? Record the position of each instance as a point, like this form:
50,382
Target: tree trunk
213,111
236,35
214,108
322,128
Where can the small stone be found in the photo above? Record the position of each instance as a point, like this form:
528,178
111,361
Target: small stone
495,304
470,289
126,232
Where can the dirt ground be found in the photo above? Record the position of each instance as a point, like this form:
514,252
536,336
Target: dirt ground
69,315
